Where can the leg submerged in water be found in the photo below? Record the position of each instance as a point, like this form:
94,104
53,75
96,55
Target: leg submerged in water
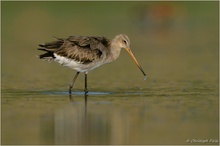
73,81
86,90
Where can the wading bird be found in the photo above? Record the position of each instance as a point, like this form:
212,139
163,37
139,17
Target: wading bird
85,53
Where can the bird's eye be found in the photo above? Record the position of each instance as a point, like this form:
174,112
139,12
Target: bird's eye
124,41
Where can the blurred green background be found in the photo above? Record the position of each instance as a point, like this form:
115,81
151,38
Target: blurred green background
176,43
172,40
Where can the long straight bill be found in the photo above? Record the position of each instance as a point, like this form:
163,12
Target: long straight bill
135,60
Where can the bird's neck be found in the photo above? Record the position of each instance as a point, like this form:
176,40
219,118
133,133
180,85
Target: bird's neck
115,52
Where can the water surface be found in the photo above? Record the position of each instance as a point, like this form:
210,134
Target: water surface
162,116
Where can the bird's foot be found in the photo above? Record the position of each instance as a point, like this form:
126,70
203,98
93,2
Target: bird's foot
86,91
70,89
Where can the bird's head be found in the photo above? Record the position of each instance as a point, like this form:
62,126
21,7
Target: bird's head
123,42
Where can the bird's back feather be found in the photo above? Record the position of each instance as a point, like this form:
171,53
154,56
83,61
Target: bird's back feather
78,48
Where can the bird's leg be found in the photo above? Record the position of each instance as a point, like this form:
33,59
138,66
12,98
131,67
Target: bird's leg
86,90
74,79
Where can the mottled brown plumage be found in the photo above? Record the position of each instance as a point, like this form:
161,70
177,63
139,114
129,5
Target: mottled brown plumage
79,48
83,53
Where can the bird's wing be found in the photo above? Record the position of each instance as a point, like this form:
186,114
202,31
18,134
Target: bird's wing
52,46
79,48
92,42
80,54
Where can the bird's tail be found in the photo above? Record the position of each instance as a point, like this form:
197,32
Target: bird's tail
50,48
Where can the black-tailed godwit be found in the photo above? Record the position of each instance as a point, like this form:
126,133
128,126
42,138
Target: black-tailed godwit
85,53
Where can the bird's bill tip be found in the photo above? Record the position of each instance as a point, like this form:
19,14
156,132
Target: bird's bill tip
145,77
